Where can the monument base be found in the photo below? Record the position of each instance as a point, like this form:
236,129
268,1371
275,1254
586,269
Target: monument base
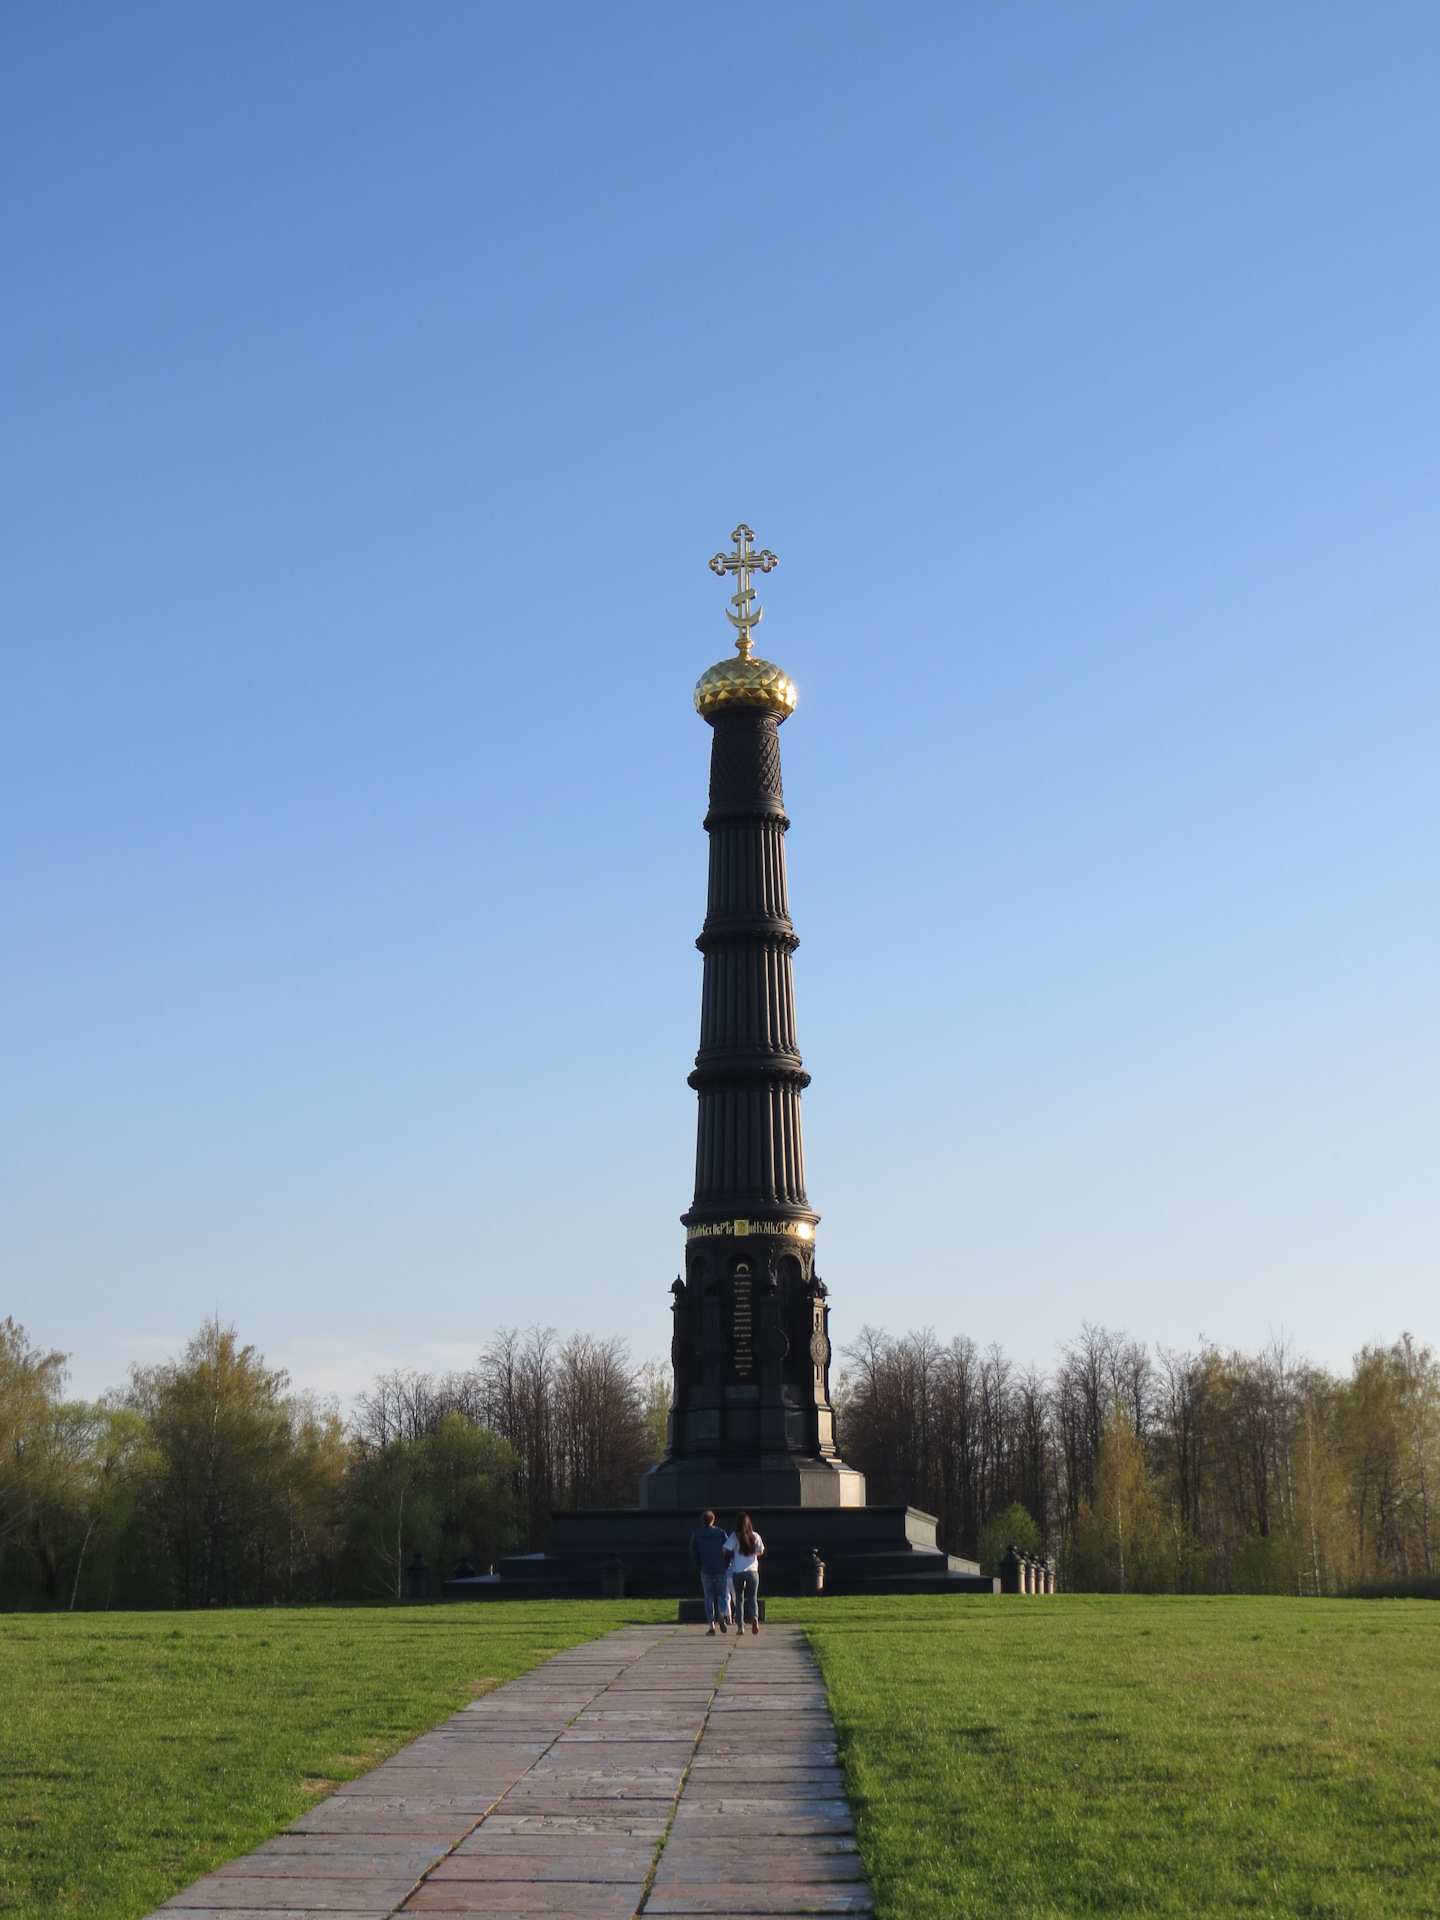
781,1480
644,1555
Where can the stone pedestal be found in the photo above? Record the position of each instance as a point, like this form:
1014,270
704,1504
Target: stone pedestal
685,1486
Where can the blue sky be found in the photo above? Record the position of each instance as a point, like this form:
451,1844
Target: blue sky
375,384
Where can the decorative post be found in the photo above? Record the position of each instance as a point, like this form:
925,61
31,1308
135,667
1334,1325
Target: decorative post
612,1578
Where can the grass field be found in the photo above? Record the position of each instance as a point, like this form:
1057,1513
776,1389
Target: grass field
1005,1757
1103,1755
139,1750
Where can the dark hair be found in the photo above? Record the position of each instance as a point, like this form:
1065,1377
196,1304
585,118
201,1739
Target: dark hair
708,1517
745,1534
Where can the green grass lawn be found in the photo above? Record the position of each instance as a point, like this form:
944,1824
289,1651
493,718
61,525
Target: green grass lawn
139,1750
1018,1757
1104,1755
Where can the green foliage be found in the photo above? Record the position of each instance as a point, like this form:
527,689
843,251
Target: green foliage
1117,1545
1012,1528
38,1449
1166,1756
654,1383
447,1494
1424,1586
956,1432
141,1750
1151,1473
1275,1476
1265,1563
209,1483
237,1482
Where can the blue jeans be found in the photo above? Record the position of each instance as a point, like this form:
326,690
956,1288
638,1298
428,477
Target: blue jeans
716,1589
747,1592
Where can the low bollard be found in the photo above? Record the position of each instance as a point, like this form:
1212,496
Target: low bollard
1026,1573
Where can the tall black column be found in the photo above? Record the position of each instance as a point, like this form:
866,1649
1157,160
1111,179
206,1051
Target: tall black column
749,1153
751,1421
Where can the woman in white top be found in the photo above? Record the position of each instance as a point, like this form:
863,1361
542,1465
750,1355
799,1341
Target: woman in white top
745,1548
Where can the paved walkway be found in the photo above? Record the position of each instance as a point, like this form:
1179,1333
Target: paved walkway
655,1771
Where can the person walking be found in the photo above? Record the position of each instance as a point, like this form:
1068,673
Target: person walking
746,1549
710,1553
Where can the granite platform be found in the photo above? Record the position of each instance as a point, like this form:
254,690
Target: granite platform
864,1550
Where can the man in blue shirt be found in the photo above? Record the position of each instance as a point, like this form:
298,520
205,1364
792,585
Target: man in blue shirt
707,1552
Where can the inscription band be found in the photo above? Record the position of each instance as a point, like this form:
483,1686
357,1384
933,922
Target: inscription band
742,1229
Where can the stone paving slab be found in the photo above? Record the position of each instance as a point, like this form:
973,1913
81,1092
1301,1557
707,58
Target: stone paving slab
763,1827
599,1864
578,1896
318,1891
301,1913
386,1852
767,1901
657,1771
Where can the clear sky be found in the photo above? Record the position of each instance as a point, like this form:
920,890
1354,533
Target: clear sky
375,383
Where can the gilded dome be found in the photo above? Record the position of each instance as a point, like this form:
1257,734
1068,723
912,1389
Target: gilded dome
739,682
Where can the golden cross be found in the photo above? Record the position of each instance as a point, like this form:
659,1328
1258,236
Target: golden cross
743,562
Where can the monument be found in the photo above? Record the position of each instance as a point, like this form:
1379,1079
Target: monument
751,1425
751,1422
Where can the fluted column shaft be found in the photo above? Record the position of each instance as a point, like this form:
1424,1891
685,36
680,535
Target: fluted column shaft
748,1073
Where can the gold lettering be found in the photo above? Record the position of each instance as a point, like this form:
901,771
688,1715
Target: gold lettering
743,1229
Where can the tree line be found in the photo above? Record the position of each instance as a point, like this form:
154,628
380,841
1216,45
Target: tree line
206,1481
1203,1472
